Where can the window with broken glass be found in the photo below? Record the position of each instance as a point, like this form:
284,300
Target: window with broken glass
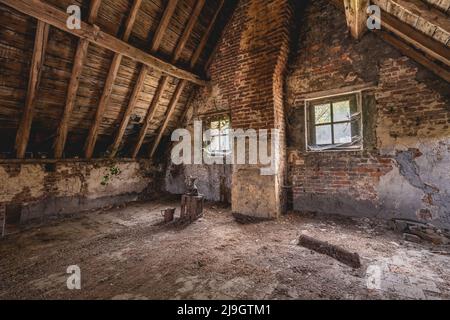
219,141
334,123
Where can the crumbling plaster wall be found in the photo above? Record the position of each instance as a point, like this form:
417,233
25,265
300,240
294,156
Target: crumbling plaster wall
404,170
214,181
45,189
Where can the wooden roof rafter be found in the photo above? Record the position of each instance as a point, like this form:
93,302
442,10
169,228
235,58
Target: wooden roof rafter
174,101
165,79
416,45
37,62
157,38
109,84
57,18
79,60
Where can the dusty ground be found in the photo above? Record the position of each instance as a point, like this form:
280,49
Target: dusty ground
126,254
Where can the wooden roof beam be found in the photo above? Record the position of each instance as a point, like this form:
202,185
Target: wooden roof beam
40,45
423,49
164,79
356,14
157,38
80,57
109,84
174,101
206,35
57,18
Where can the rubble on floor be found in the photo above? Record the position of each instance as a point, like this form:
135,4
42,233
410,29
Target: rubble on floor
416,232
127,253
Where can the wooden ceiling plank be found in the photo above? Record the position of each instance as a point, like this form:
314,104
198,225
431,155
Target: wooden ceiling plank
40,44
164,79
80,57
162,27
57,18
109,84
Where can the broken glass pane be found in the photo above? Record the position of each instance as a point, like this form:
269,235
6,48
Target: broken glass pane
322,113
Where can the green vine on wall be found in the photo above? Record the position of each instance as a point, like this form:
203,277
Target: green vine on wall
111,172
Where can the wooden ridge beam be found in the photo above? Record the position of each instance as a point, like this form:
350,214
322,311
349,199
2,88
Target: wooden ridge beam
57,18
164,79
157,38
40,45
79,60
109,84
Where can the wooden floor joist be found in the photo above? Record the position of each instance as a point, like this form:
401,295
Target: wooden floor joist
182,84
57,18
157,38
109,84
40,44
164,79
80,57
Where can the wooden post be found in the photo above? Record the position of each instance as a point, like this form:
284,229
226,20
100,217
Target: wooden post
356,13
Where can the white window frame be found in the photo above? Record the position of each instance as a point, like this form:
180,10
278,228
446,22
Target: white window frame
358,95
208,121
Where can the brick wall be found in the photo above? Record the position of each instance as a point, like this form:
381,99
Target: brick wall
401,171
247,76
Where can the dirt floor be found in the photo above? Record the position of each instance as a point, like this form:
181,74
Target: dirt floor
126,253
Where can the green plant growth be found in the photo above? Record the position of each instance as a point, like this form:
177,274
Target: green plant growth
111,172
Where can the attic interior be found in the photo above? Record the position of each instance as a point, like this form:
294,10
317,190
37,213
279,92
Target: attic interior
128,130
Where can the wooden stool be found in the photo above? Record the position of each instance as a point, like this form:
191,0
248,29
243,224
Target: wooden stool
191,207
